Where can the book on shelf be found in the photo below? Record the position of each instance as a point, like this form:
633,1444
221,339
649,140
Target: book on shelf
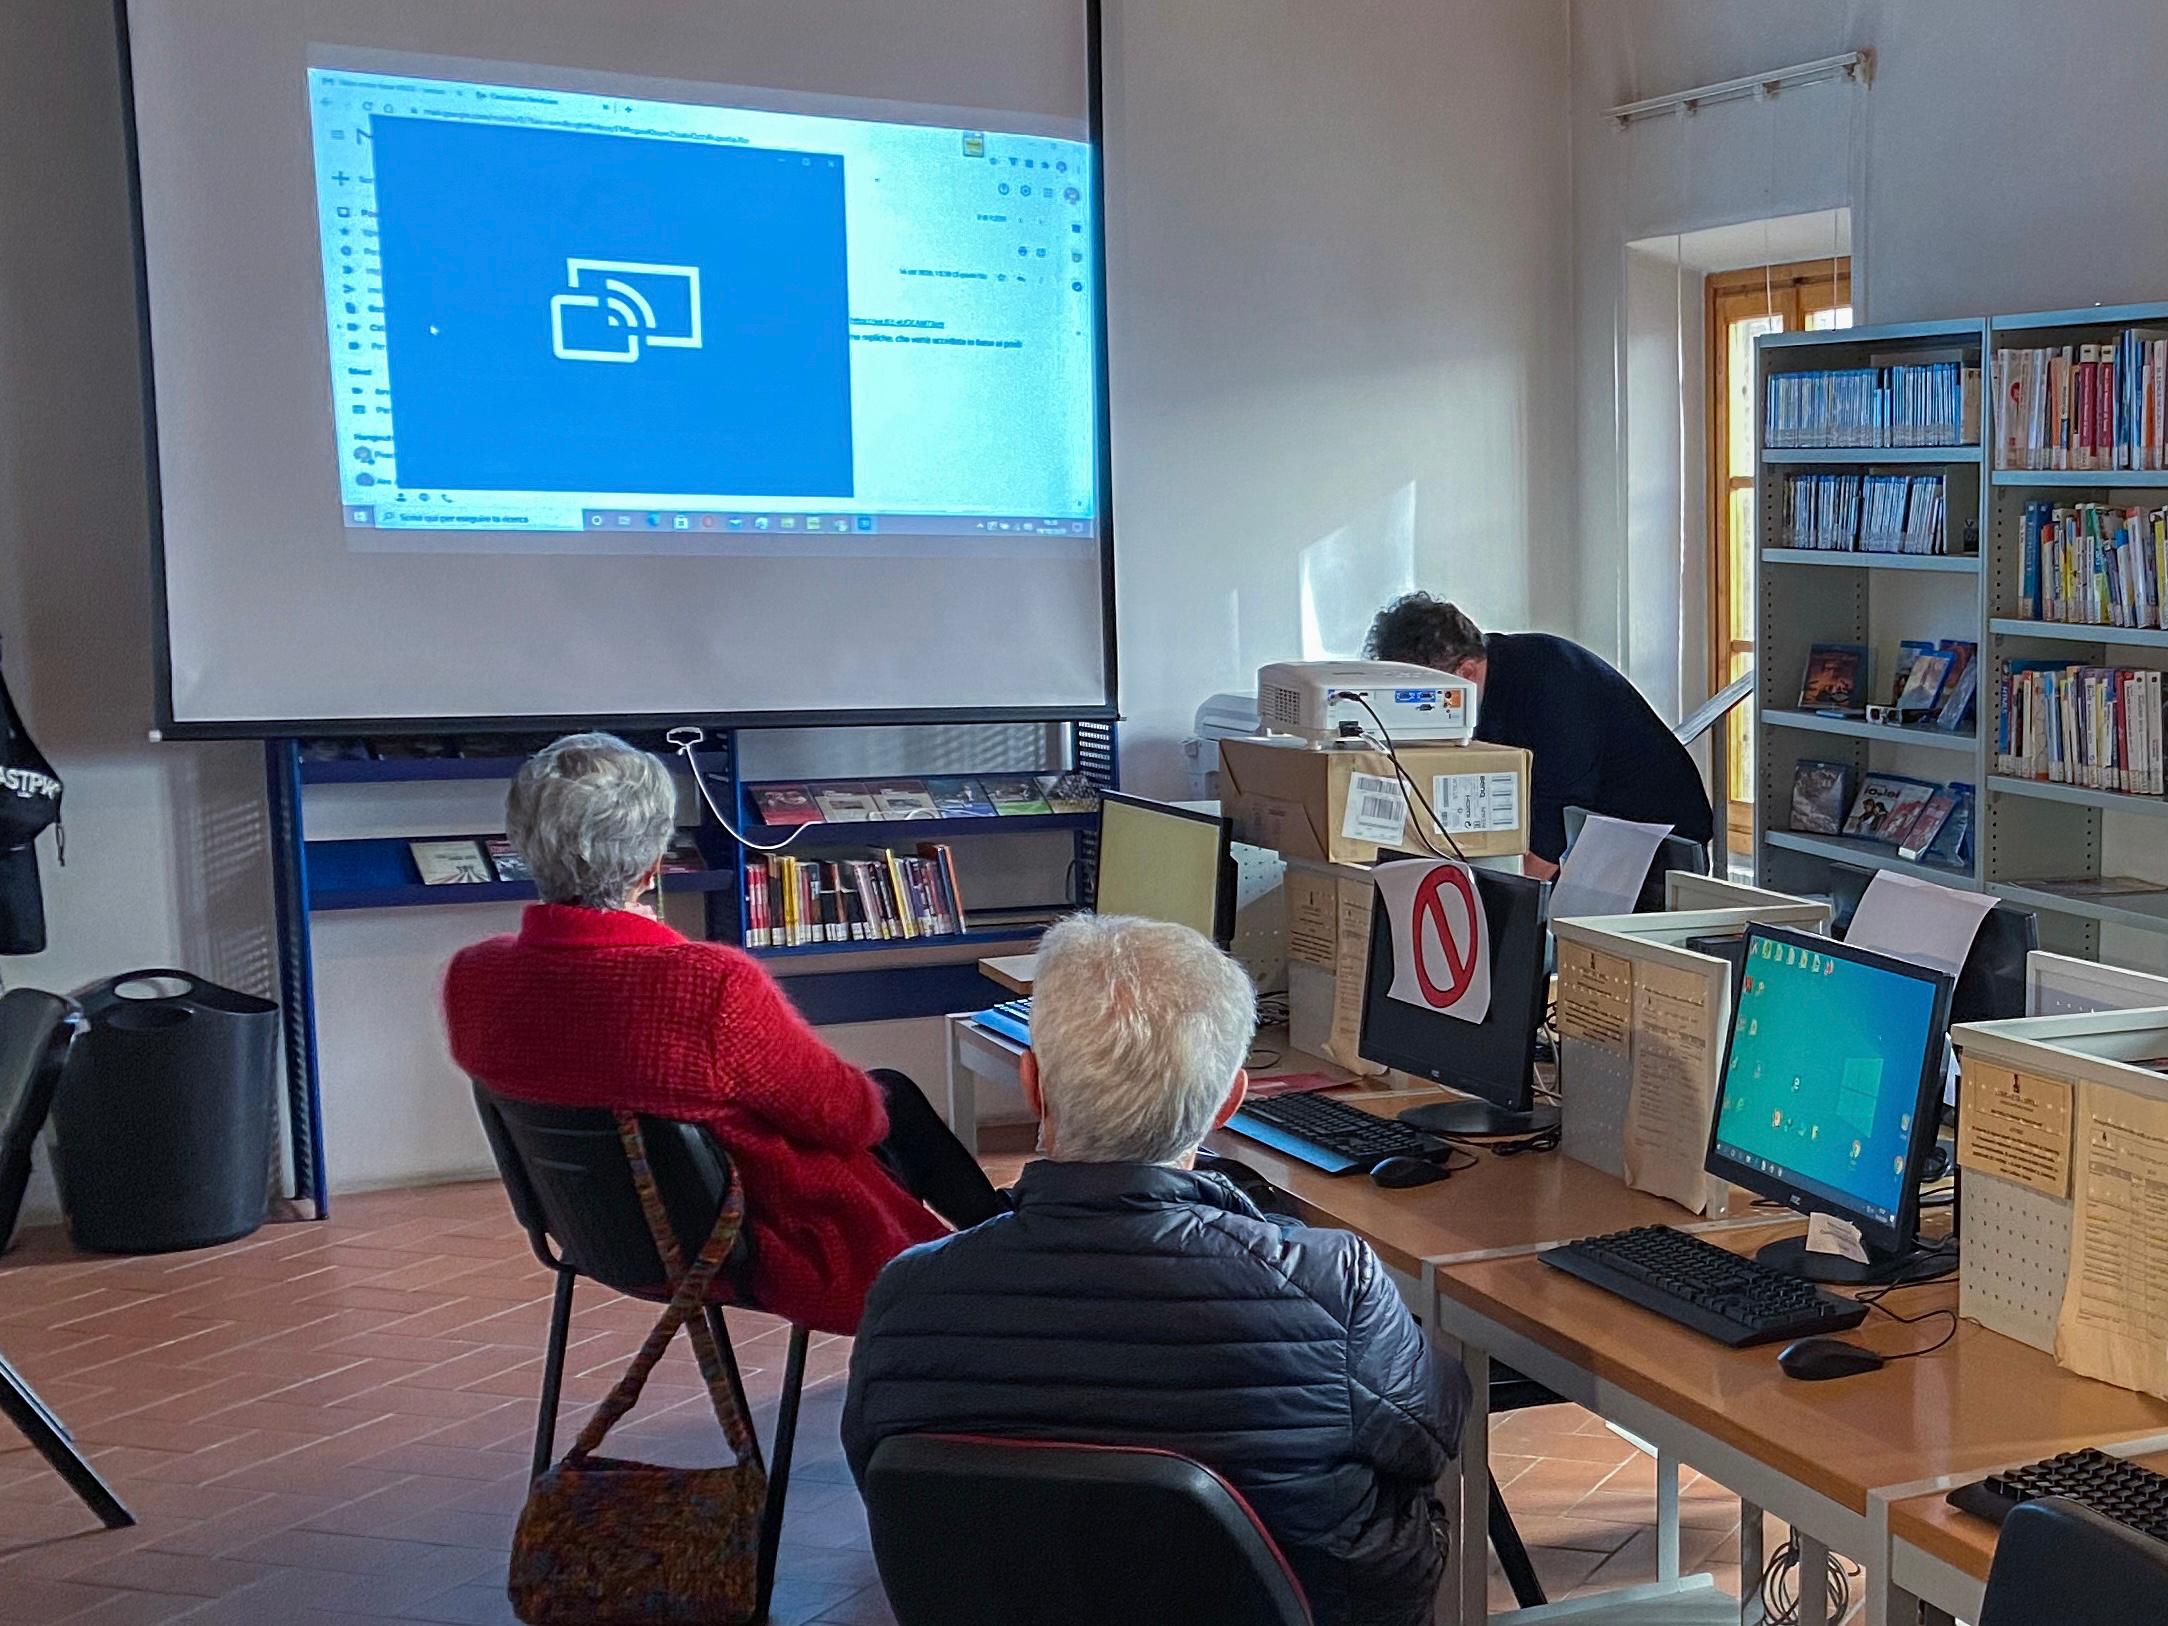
1933,815
1071,792
2100,886
2088,407
1908,651
2092,565
784,804
1015,796
959,799
1866,513
1963,687
1925,683
902,799
880,897
1905,404
844,803
1835,681
2096,727
451,863
1886,806
1820,793
505,861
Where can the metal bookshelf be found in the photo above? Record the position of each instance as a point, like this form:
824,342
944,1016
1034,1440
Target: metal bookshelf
2037,835
828,982
1806,597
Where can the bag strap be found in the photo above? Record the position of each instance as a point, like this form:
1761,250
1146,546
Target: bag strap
688,1306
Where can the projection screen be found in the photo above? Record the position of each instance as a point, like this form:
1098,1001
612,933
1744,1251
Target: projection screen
518,361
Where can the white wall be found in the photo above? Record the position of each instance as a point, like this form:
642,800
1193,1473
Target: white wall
1339,245
1339,270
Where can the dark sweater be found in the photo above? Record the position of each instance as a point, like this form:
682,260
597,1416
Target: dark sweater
1125,1304
1597,744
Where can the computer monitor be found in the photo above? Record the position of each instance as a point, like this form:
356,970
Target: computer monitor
1492,1060
1991,985
1826,1100
1672,853
1165,863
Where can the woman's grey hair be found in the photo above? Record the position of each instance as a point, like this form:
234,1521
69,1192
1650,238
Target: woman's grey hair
591,815
1140,1028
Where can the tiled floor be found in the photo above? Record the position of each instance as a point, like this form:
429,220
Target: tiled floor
328,1424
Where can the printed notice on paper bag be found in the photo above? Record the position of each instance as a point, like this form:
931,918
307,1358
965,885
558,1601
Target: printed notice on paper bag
1377,810
1595,996
1351,977
1441,940
2114,1322
1674,1085
2017,1127
1470,803
1313,901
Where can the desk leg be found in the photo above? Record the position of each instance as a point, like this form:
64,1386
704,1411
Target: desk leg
963,1095
1667,1516
1813,1581
1752,1559
1469,1573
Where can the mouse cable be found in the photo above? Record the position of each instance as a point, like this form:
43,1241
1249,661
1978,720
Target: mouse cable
1416,799
1873,1301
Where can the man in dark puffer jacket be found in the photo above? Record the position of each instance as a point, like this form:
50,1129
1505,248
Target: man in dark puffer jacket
1132,1300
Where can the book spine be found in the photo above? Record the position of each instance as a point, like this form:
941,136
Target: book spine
756,898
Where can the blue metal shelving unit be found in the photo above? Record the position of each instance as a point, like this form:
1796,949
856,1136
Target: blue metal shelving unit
868,982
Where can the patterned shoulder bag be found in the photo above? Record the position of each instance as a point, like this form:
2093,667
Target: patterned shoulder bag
603,1540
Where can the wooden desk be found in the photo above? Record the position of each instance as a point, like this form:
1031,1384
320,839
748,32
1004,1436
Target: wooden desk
1012,971
1814,1454
1939,1557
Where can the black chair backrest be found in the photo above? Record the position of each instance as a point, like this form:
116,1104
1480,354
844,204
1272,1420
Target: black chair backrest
976,1532
2059,1564
565,1171
36,1029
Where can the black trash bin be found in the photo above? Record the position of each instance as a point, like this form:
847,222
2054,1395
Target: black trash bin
164,1120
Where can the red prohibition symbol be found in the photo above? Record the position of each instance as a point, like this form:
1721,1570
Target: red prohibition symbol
1459,958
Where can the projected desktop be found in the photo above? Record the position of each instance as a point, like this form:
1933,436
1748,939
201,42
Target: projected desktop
1827,1097
679,325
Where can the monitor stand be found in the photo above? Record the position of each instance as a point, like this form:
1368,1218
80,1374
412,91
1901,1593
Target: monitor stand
1833,1269
1480,1120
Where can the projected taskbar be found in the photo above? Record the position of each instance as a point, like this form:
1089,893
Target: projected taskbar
365,516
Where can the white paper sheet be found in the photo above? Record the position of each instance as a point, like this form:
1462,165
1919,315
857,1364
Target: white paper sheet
1441,940
1604,870
1918,921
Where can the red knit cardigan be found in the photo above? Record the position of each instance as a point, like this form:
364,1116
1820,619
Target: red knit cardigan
603,1007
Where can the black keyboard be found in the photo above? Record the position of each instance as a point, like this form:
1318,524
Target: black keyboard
2121,1490
1330,1135
1718,1293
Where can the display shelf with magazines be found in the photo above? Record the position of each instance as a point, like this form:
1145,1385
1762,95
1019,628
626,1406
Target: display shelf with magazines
418,822
2077,633
1867,735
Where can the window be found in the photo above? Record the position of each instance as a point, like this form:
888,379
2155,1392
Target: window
1742,305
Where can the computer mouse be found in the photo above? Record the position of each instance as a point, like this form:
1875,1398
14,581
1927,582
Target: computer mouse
1397,1173
1815,1359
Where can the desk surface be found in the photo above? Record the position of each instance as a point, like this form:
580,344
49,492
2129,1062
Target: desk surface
1012,971
1983,1401
1958,1539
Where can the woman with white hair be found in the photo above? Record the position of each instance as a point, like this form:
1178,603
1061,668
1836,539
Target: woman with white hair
596,1002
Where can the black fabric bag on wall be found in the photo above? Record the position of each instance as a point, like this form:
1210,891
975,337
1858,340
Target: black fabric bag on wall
29,801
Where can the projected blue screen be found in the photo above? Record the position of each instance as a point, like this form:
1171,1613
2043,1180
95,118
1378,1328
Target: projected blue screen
1824,1074
551,310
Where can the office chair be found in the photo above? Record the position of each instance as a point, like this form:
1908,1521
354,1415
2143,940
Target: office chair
572,1191
37,1030
2059,1564
982,1532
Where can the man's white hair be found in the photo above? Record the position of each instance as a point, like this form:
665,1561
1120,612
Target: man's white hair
1140,1028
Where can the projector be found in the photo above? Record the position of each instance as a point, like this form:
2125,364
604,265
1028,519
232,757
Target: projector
1316,701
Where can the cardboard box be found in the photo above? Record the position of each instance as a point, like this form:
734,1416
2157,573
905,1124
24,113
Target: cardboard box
1340,806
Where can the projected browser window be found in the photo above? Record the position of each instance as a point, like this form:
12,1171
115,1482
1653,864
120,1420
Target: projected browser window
673,325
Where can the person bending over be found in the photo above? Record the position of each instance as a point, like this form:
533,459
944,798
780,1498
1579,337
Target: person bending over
1595,742
1130,1300
596,1003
